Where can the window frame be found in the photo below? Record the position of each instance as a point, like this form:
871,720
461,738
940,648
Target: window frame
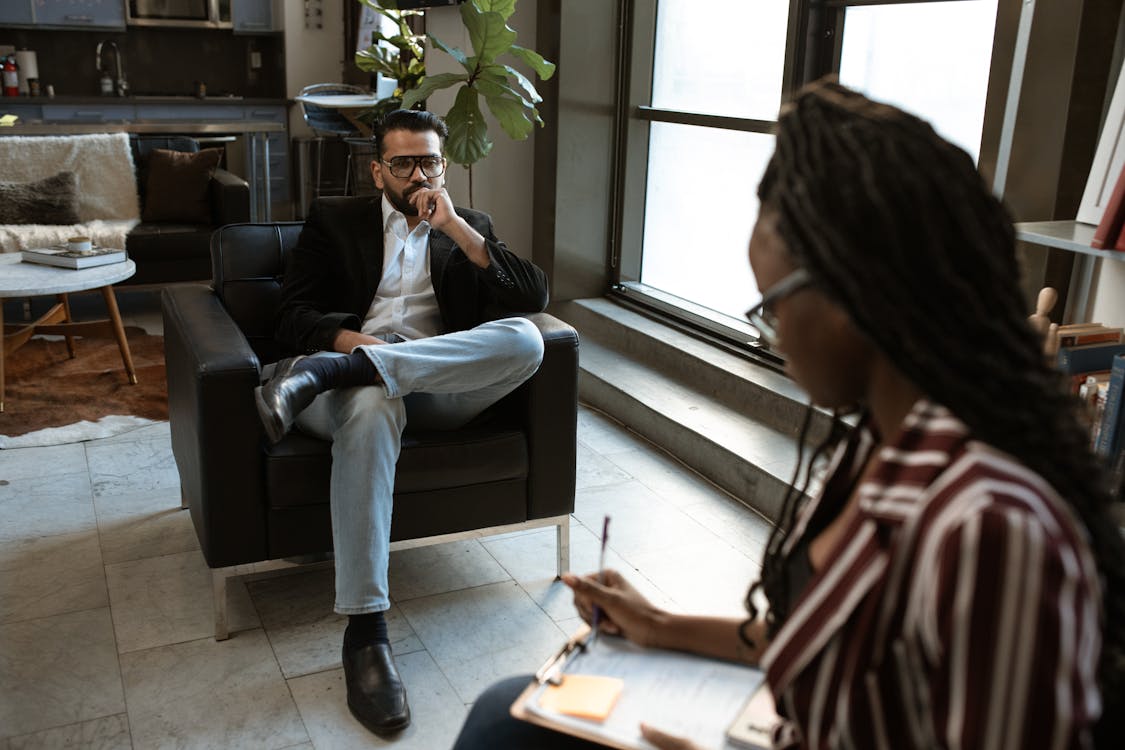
813,48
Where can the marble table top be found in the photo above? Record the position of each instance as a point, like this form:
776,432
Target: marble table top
19,279
339,101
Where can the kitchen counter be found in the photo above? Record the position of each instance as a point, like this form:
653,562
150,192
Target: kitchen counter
143,126
145,99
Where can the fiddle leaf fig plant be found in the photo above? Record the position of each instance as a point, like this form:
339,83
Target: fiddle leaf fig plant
398,56
507,93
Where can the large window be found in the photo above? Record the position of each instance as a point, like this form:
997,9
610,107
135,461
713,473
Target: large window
707,81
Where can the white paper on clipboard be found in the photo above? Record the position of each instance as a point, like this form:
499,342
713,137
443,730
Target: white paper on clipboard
682,694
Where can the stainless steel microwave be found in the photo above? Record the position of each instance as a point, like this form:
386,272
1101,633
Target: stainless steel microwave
198,14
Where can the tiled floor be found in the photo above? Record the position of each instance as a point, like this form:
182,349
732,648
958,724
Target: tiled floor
105,601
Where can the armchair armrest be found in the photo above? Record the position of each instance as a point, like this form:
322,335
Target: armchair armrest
230,198
552,419
216,433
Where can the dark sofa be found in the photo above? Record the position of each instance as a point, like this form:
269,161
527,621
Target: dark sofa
170,251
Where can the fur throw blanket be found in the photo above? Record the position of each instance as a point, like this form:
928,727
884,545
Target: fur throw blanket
108,205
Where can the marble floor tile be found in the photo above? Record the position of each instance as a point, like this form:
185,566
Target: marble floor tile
666,477
306,635
157,431
436,710
592,470
437,568
135,525
705,579
45,505
28,463
608,437
43,576
162,600
480,635
734,523
106,733
641,520
210,694
58,670
530,559
133,466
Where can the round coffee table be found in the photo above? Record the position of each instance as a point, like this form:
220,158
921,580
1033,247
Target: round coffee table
18,279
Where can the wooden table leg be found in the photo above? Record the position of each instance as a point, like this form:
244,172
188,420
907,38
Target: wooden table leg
65,302
119,332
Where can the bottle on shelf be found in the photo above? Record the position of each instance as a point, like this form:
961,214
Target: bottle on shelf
11,76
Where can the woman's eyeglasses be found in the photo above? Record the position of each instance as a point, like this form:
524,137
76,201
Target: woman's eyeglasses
404,166
761,315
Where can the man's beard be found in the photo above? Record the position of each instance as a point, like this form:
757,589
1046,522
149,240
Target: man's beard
402,201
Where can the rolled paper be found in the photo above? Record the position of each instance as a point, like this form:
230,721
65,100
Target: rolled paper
28,68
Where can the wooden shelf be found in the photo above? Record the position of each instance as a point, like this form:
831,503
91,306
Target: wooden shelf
1074,236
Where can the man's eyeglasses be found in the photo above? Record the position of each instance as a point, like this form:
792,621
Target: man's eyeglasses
761,315
404,166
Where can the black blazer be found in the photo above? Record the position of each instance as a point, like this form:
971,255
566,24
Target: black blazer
331,276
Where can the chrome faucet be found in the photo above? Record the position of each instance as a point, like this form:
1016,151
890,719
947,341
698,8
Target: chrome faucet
120,85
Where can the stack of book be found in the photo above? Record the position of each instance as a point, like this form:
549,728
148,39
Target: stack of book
1093,357
63,257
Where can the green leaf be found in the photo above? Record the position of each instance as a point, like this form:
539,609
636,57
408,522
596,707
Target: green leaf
542,67
492,85
373,63
489,34
454,52
468,133
430,84
504,7
511,115
504,71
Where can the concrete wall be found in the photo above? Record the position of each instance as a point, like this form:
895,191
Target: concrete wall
503,182
312,55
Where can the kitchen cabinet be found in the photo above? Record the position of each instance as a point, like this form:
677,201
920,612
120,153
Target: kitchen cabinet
89,113
80,14
16,13
257,16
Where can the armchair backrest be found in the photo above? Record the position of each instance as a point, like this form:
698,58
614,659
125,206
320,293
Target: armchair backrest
247,262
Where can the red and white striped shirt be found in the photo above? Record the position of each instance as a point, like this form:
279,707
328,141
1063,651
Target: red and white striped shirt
960,610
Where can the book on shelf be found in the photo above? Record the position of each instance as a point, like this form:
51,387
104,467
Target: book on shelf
1082,334
64,257
1110,429
1088,357
1113,217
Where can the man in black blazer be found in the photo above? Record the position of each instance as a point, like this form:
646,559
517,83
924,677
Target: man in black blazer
400,301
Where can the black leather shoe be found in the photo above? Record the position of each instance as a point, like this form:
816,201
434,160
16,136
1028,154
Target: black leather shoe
283,396
376,696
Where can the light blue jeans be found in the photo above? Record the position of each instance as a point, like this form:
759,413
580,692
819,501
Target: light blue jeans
438,383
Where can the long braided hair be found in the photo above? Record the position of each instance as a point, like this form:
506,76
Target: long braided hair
897,226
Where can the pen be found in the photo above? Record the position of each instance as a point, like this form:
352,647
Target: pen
601,579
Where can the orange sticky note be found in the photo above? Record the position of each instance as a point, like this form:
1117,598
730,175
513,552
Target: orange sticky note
584,695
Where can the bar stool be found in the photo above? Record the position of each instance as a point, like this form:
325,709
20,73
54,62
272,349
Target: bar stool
329,123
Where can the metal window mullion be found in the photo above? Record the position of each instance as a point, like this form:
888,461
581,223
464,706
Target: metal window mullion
721,122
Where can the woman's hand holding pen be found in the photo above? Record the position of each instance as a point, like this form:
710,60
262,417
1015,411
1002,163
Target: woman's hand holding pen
624,611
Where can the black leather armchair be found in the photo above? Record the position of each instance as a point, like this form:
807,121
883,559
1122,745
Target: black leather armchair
254,504
173,251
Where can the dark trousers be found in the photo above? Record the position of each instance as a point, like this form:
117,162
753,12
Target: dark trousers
491,727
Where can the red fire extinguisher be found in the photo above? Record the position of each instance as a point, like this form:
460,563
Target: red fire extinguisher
11,77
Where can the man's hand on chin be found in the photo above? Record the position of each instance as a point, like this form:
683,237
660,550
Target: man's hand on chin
433,205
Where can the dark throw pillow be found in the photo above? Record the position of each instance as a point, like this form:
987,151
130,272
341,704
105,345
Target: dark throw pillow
52,200
177,187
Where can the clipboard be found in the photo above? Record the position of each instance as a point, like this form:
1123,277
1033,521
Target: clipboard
718,704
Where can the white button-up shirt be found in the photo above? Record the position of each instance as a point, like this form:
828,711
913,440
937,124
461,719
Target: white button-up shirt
404,302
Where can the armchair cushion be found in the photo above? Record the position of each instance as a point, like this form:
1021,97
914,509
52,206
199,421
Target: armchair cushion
51,200
178,185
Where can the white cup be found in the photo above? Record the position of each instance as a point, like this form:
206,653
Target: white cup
79,244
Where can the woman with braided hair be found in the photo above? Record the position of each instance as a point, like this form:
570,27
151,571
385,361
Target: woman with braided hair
958,580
